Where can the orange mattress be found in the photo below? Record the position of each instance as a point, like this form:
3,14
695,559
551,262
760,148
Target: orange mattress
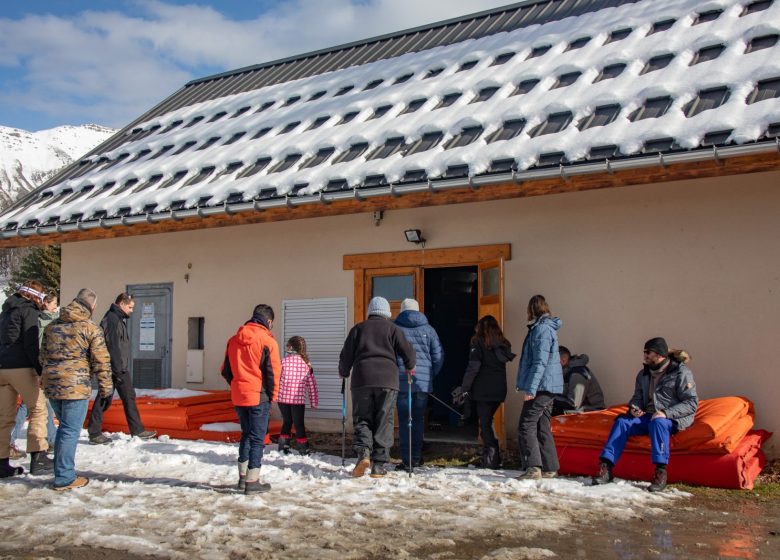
719,427
738,469
182,417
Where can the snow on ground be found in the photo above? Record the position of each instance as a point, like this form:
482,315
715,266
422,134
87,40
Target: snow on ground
156,497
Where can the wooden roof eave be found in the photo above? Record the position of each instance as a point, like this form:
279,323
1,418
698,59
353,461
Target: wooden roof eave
479,189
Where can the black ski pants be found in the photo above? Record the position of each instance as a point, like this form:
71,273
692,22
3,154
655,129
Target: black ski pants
486,410
124,386
372,417
292,415
537,447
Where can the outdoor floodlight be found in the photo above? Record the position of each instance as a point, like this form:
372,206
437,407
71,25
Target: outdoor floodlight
414,236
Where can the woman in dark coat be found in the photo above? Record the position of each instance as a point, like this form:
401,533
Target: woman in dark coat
485,381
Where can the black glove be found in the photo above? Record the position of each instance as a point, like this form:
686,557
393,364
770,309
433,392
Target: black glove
459,396
105,402
117,379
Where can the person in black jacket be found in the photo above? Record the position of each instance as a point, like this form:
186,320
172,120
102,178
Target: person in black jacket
114,325
369,354
484,382
20,371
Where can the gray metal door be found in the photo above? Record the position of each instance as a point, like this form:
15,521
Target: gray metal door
150,335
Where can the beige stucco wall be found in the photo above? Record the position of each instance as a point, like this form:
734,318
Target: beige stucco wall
695,262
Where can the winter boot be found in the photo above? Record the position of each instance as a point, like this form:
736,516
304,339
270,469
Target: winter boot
100,439
302,446
492,458
253,484
146,434
16,453
7,469
77,483
243,466
283,444
531,473
605,474
549,474
40,463
378,470
659,480
362,465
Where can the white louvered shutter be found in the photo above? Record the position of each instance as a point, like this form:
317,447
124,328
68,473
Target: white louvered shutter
323,323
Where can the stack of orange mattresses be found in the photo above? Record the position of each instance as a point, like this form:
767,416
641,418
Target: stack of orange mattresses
720,449
183,417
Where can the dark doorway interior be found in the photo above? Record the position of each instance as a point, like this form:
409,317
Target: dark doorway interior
451,305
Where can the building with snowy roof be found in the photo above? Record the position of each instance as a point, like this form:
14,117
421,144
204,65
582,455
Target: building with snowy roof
471,164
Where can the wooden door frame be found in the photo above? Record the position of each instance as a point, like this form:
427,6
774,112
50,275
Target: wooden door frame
425,258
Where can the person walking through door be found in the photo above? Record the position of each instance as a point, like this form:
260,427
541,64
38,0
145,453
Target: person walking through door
430,359
114,325
297,380
484,382
369,357
540,378
20,371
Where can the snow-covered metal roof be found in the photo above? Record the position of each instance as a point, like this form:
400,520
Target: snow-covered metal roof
604,81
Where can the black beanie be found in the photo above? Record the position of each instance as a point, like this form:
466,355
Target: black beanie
657,345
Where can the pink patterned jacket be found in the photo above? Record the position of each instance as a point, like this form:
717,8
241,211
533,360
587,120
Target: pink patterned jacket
297,379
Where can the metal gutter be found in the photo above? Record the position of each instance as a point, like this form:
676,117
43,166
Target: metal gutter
563,171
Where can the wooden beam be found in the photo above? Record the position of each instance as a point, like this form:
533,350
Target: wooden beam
432,257
648,175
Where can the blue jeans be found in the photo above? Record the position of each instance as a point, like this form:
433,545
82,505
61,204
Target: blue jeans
254,425
21,416
71,415
419,405
659,430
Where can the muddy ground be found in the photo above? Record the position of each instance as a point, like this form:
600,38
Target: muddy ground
710,523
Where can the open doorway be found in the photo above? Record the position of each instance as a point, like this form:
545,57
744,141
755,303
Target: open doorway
451,305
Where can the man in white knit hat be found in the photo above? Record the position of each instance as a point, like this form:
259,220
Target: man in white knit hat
369,354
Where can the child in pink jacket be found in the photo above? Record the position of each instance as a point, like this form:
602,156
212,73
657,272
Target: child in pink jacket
297,379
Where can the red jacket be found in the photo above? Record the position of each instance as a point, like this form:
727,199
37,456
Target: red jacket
252,365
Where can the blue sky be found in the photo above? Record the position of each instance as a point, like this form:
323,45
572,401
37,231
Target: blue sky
106,62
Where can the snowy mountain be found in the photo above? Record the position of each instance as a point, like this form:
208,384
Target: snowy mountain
27,159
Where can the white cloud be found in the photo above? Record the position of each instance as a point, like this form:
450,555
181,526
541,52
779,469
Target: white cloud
109,67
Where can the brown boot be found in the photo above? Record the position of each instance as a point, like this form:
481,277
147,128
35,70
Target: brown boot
659,480
77,483
362,465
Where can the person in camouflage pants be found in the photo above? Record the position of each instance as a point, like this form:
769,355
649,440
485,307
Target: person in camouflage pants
73,351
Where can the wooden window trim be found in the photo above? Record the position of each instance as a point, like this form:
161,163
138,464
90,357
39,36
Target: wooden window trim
428,257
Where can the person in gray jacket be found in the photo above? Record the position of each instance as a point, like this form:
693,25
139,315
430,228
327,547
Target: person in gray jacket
664,402
581,389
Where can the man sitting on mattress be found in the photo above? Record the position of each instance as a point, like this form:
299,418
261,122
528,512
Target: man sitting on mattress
664,402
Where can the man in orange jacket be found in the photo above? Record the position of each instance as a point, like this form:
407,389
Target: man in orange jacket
252,367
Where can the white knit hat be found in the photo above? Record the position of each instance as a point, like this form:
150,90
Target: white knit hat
410,304
379,306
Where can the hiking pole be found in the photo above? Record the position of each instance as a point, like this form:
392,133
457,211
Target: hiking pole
409,378
343,421
447,406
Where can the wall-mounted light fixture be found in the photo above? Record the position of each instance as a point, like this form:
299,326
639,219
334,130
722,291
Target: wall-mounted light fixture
415,236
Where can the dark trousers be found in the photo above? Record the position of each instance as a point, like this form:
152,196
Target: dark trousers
537,447
292,415
123,386
372,417
254,425
486,410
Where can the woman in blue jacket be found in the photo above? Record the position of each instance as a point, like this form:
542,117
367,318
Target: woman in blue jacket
540,377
